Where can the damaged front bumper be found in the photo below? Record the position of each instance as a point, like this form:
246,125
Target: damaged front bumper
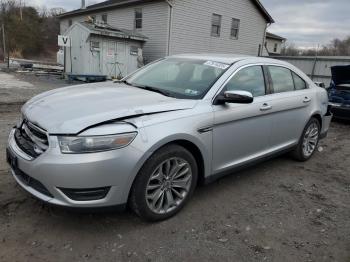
80,180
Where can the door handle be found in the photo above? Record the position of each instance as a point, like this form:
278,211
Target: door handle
265,107
307,100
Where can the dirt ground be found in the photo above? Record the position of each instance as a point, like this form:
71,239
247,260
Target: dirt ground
280,210
19,87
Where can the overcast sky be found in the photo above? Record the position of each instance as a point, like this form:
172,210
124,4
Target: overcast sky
306,23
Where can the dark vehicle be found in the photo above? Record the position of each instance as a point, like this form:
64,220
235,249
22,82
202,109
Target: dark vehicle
339,92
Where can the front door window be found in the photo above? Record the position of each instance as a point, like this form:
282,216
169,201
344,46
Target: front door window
249,79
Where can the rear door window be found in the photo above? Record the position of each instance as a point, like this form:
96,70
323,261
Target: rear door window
282,79
299,82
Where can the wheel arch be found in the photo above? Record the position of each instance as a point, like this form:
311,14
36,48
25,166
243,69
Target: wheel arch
192,144
197,154
318,116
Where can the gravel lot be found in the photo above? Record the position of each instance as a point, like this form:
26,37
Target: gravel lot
280,210
19,87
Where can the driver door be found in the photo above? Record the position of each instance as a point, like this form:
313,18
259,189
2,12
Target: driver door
241,131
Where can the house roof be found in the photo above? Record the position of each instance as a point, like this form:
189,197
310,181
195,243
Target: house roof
273,36
103,6
118,3
263,10
109,31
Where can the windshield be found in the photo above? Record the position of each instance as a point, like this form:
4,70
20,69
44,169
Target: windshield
179,77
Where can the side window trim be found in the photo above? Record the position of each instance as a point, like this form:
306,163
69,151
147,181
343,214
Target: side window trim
268,80
291,74
295,87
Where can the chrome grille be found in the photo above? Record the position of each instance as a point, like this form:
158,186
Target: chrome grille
31,139
37,135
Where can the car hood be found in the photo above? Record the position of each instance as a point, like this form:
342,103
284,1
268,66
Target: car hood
340,75
73,109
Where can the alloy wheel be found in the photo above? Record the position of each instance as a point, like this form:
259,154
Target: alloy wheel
168,185
310,139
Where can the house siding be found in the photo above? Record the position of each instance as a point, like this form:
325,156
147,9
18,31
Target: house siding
191,27
155,25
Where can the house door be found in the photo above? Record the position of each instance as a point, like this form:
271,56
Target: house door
121,65
109,55
95,64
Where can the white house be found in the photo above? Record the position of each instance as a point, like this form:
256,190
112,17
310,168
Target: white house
184,26
273,44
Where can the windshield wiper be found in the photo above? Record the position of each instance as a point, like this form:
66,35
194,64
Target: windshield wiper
153,89
148,88
125,82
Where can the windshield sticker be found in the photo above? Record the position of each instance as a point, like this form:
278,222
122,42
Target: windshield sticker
191,92
217,64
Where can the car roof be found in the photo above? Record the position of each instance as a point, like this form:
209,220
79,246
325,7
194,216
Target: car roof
229,58
244,60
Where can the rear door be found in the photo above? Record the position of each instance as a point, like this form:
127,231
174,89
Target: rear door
241,131
290,106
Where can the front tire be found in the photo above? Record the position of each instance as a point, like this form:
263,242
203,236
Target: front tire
308,142
164,184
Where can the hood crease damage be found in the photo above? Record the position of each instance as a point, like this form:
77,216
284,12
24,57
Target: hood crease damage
73,110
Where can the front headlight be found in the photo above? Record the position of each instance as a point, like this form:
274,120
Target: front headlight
91,144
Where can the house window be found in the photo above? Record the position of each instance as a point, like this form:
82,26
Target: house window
134,50
93,17
105,18
95,46
138,18
275,48
235,28
70,22
216,25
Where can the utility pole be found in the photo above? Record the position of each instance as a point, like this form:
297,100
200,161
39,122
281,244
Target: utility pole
64,60
4,41
315,62
20,10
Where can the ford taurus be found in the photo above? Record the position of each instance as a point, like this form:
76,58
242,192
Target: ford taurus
149,139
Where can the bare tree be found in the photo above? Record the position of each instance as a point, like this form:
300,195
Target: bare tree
29,32
290,49
336,47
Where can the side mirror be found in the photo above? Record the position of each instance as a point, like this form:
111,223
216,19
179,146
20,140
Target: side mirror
320,84
238,97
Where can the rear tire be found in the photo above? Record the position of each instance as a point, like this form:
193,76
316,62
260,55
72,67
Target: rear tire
164,184
308,141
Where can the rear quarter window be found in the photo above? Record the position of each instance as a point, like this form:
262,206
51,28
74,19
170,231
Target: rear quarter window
299,83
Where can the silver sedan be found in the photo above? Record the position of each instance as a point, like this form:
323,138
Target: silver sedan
149,139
